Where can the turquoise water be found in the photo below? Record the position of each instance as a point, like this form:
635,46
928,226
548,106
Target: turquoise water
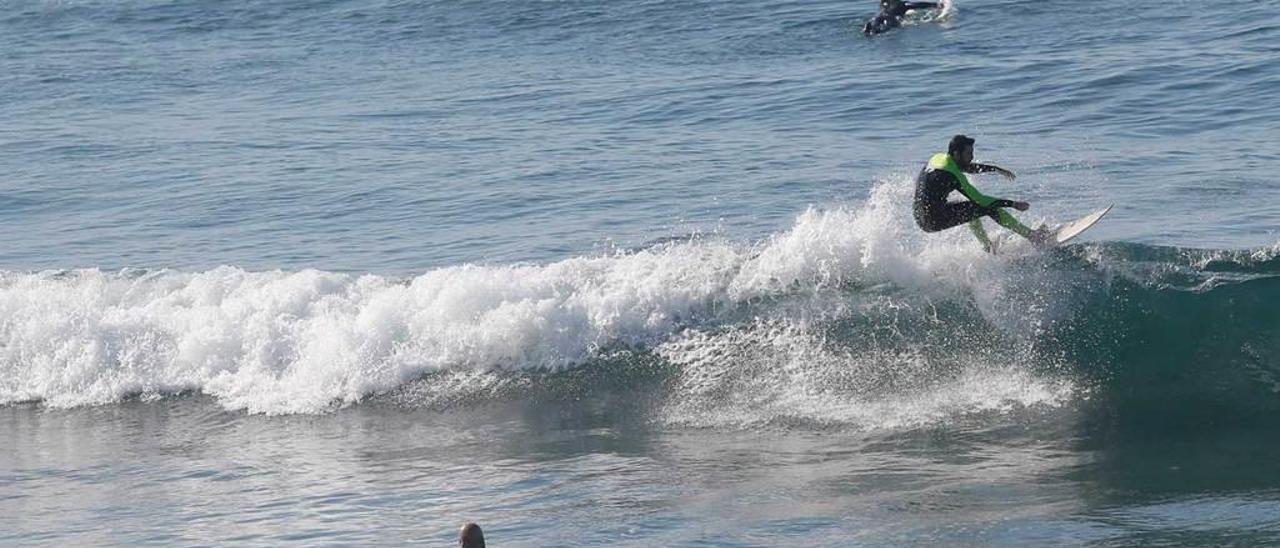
633,273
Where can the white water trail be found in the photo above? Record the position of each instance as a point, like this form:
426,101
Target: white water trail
302,342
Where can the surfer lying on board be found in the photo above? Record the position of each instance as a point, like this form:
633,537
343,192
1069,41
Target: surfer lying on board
944,174
891,14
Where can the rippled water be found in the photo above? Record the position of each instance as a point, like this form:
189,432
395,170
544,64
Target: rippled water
186,472
375,136
632,273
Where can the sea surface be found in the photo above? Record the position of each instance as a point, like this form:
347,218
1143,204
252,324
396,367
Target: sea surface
634,273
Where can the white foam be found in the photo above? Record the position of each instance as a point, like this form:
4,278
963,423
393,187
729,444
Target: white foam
771,373
291,342
948,9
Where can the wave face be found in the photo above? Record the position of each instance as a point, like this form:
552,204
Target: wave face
849,317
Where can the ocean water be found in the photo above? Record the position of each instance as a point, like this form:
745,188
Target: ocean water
633,273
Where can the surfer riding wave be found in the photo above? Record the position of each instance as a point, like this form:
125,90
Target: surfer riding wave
944,174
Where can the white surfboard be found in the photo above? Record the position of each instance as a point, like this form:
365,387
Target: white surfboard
1074,228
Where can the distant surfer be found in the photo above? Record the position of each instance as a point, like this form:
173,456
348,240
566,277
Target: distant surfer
891,14
944,174
471,536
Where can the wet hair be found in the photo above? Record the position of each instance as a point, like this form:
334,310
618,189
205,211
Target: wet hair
958,144
471,536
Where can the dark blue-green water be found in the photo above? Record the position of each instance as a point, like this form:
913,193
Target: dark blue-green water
633,273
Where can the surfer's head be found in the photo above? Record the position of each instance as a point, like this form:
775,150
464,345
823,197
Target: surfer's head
470,536
961,149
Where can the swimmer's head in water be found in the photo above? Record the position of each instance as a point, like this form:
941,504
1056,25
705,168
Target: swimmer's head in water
471,536
961,149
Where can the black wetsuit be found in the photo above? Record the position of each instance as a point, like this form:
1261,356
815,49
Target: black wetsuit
932,210
891,14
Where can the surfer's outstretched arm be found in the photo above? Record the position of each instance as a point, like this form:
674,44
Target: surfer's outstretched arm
921,5
977,197
975,167
1002,217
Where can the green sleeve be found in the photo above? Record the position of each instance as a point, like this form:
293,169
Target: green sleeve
972,194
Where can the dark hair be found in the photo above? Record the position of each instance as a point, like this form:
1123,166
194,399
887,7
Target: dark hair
471,536
958,144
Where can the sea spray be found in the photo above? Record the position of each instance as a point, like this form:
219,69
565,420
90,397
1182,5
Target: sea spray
813,323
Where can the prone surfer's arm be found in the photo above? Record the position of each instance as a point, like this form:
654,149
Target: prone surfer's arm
983,168
922,5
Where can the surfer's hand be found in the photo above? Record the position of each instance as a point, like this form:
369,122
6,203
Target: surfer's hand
1021,206
1007,174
